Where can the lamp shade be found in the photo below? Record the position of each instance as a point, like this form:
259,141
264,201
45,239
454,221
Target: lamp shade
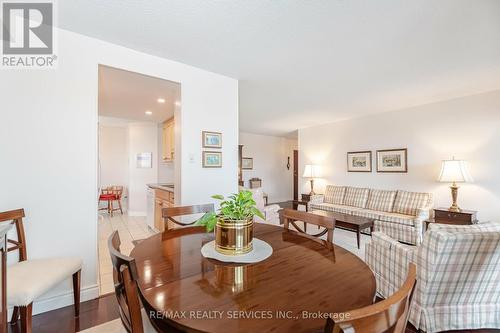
454,171
312,171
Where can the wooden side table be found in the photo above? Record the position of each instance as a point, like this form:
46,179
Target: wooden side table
305,198
297,203
444,216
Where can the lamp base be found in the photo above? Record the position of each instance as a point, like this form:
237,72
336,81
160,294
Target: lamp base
454,195
312,188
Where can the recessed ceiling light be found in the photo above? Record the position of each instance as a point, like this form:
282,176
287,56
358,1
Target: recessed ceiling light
148,113
161,100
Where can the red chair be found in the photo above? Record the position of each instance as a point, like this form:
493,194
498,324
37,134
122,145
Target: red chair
111,194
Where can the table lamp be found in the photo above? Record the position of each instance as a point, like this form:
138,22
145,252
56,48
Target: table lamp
312,171
454,171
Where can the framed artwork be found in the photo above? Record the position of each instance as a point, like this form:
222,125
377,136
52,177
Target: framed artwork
211,139
212,159
247,163
359,161
144,160
392,160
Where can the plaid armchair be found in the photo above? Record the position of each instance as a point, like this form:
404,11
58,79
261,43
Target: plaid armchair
458,275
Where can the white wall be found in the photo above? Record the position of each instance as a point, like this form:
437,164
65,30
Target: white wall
467,128
269,155
214,108
48,130
142,138
113,158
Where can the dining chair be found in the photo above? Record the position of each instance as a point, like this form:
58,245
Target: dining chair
170,214
117,191
290,217
390,315
125,277
111,194
29,279
178,232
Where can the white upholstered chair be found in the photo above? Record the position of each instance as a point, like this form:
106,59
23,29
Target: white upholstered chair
269,211
458,275
29,279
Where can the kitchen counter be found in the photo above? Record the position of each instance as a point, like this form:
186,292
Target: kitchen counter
160,196
164,187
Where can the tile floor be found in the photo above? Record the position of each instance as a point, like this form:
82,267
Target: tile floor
129,228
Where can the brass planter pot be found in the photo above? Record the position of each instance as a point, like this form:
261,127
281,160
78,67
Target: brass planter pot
233,237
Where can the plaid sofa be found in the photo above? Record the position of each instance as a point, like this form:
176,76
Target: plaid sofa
458,275
399,214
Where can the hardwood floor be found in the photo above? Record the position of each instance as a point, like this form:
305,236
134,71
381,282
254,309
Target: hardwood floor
104,309
92,313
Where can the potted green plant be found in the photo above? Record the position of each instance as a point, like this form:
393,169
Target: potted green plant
233,223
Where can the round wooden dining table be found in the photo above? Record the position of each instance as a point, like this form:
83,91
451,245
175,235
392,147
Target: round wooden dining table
292,291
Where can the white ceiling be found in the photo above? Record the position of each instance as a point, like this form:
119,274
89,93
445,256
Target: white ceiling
128,95
302,63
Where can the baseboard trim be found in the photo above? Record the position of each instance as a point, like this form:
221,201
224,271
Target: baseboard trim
136,213
62,300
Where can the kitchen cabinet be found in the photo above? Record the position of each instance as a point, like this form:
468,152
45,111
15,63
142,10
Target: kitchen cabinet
163,199
168,140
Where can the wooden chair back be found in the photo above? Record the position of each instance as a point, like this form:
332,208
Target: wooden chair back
389,315
16,217
106,190
126,290
116,190
255,182
170,213
290,216
179,232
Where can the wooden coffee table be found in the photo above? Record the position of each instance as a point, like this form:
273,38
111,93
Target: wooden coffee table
348,222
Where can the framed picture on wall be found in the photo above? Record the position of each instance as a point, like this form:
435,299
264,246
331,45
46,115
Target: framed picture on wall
211,139
392,160
212,159
144,160
359,161
247,163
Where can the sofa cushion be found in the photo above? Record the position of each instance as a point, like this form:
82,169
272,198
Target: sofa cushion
335,208
381,200
408,203
334,194
387,217
356,196
368,213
